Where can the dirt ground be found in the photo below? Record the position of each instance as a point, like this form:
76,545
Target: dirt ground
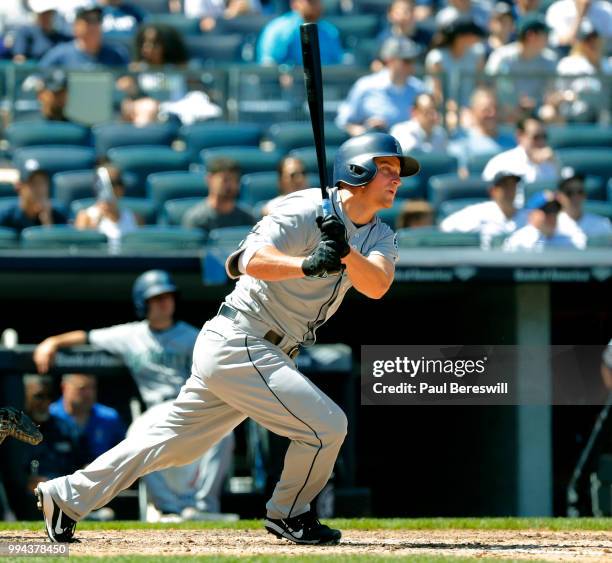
520,544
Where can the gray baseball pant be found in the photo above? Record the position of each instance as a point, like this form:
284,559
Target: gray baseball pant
236,374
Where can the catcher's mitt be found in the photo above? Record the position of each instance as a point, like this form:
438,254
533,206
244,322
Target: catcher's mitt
18,425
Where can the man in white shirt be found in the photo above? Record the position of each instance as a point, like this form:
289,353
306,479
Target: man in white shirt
572,195
541,232
565,16
490,218
423,132
532,159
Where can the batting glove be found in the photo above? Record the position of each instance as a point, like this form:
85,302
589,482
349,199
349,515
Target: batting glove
325,260
332,228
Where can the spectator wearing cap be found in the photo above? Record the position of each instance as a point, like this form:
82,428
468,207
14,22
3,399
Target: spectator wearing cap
414,214
478,12
490,218
33,207
532,159
220,208
423,131
458,54
401,23
582,95
480,134
53,95
527,65
501,27
279,42
572,195
121,17
541,231
564,18
87,49
380,100
33,41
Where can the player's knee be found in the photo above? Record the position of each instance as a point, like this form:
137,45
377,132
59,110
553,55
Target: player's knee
338,425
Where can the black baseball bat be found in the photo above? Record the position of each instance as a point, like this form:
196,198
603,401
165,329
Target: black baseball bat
309,35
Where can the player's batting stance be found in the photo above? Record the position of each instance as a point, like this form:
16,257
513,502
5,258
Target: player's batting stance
291,282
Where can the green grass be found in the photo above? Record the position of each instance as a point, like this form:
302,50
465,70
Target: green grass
597,524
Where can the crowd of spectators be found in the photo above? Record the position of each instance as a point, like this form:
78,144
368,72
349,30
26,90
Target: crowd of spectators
476,81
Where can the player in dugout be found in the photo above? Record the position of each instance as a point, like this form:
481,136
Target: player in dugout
293,271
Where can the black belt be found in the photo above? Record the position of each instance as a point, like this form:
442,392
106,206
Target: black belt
271,336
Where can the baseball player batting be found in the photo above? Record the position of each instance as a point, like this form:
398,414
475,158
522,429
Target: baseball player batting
291,280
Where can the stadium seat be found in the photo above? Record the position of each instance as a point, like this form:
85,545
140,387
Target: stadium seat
228,236
32,133
8,238
476,164
450,186
451,206
174,209
156,238
56,158
371,6
309,157
366,51
76,184
297,134
589,161
602,241
258,187
7,202
184,25
143,160
389,216
110,135
163,186
251,159
210,134
602,208
429,237
355,27
246,25
153,6
212,48
434,165
337,81
142,207
7,189
594,186
579,135
62,236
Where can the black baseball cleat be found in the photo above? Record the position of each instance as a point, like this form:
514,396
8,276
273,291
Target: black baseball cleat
60,528
305,529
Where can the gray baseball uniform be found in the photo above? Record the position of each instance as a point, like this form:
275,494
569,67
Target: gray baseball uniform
238,372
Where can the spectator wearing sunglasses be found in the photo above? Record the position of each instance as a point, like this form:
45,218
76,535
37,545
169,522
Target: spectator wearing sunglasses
532,159
572,195
291,178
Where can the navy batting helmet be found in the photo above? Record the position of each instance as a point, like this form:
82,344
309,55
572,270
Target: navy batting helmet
150,284
355,166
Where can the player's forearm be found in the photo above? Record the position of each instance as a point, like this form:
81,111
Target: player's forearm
373,280
270,264
68,339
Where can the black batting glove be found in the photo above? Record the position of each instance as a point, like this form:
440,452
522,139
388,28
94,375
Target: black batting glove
332,228
325,260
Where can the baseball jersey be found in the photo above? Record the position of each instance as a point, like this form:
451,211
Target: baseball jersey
297,307
485,218
159,361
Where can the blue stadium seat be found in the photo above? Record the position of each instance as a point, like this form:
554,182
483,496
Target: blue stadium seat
56,158
142,207
40,132
429,237
379,7
213,48
309,157
476,164
78,184
602,208
153,6
450,186
163,186
451,206
258,187
594,186
110,135
589,161
7,189
210,134
298,134
248,25
173,210
355,27
576,135
389,216
251,159
143,160
227,236
62,236
8,238
184,25
433,165
157,238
